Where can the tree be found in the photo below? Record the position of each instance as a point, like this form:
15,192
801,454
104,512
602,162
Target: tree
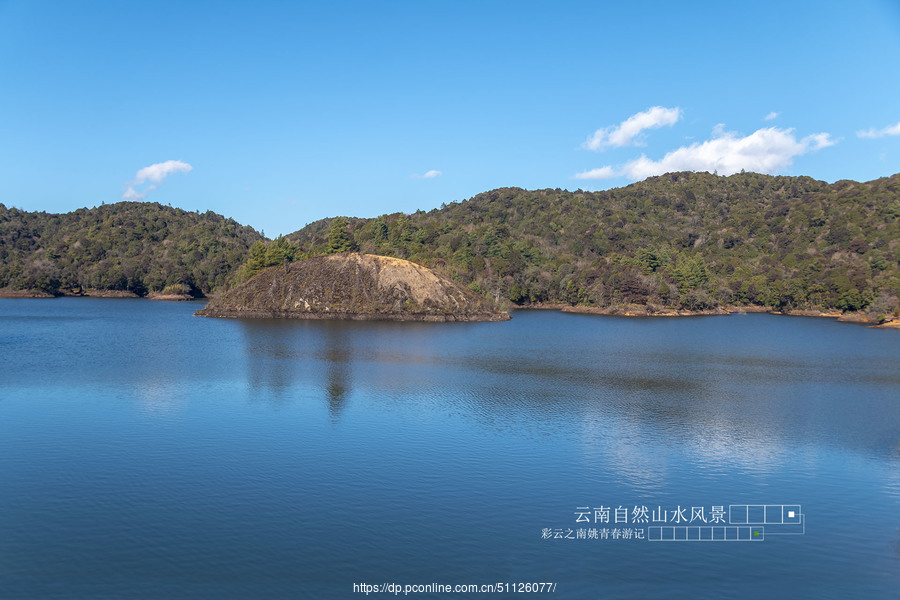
381,229
339,239
648,259
691,272
257,260
279,252
516,294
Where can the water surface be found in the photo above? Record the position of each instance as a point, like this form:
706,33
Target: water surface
146,453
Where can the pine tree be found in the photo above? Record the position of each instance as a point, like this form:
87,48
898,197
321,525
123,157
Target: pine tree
279,252
339,239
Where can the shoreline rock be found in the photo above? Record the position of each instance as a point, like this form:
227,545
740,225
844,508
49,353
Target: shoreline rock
633,310
24,294
106,294
91,293
641,311
638,310
348,316
169,297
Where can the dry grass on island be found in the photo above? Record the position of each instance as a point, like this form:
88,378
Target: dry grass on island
353,286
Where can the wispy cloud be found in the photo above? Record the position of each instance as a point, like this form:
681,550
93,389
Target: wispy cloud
765,151
428,175
601,173
149,178
131,194
771,116
877,133
156,173
628,132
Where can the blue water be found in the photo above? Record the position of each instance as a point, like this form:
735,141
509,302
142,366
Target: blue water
146,453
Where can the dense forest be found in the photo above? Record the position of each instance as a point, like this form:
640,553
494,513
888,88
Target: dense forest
139,247
689,241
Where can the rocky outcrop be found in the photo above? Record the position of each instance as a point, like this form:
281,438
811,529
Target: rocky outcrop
9,293
356,287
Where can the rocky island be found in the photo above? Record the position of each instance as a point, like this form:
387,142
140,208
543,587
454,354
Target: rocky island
356,287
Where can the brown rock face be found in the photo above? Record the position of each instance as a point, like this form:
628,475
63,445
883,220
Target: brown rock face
353,286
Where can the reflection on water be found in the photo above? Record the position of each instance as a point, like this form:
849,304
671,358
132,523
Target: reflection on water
283,354
156,397
740,400
640,404
337,357
268,352
268,457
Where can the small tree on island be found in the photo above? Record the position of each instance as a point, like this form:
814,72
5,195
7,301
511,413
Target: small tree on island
277,252
280,252
339,237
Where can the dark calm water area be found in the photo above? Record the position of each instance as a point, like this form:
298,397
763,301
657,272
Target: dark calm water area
146,453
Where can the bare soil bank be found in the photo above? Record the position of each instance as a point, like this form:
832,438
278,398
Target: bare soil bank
356,287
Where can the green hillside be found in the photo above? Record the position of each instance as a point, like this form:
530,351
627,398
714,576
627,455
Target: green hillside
687,241
683,240
139,247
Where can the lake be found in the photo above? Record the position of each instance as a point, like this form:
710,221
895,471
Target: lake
147,453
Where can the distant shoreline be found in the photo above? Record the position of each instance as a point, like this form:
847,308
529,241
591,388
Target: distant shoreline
634,310
38,294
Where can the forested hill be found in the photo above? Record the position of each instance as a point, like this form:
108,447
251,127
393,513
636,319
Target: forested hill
691,241
682,240
139,247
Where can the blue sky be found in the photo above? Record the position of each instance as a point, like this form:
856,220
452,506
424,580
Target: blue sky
281,113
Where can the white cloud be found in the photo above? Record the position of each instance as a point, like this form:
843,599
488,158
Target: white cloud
764,151
154,174
130,194
601,173
877,133
628,133
771,116
428,175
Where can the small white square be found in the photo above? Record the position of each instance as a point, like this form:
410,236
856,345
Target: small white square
790,514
